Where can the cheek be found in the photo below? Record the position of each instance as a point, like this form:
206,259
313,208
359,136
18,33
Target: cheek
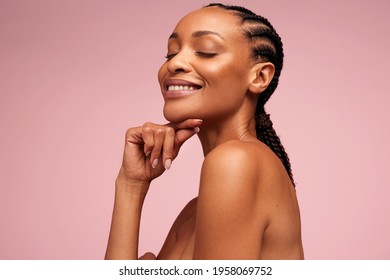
228,84
228,72
215,70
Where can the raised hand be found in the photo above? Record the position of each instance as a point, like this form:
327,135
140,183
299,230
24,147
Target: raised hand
151,148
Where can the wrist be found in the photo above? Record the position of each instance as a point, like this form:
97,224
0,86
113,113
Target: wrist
132,186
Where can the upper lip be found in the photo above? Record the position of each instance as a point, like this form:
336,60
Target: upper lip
180,82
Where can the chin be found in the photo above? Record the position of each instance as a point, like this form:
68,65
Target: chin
175,115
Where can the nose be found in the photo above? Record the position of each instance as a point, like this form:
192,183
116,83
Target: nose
179,63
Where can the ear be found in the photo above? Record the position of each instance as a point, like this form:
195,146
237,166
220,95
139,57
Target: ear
260,76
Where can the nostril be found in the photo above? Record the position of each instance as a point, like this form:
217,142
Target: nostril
178,70
178,64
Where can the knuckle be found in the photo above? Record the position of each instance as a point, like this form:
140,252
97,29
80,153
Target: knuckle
128,133
169,130
147,124
160,131
146,129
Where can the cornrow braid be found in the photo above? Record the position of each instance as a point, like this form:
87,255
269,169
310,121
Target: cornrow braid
267,47
267,134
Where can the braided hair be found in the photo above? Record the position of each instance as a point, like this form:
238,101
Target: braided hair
267,47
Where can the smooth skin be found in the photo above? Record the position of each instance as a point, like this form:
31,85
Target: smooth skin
247,206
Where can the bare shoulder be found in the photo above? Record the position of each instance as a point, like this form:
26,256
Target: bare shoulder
243,176
246,199
247,162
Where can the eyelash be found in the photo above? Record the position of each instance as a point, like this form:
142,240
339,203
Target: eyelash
169,56
201,54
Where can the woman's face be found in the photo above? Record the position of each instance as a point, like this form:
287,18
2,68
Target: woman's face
206,74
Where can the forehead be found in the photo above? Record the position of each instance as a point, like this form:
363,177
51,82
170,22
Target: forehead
210,19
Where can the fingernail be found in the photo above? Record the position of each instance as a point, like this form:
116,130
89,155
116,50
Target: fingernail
154,163
147,153
168,163
198,120
196,129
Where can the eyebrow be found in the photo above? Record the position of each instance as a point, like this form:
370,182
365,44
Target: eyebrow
199,33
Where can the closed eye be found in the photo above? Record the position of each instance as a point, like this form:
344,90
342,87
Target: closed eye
170,56
201,54
204,54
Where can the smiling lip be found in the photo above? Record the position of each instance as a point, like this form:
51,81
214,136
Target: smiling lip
177,88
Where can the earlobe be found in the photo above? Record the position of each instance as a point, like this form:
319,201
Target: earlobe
261,76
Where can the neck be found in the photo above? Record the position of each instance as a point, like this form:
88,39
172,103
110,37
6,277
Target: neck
213,133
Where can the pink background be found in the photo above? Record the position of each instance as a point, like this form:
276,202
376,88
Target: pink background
74,75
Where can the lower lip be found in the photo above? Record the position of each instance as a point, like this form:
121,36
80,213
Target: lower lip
179,93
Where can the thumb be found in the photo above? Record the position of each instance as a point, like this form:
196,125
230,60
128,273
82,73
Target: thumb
183,135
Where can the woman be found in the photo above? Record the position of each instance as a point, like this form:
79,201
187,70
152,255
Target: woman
223,64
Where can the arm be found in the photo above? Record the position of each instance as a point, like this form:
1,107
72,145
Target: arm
149,150
173,234
124,233
228,222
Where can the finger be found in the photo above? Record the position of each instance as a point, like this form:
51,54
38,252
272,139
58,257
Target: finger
182,136
148,256
159,134
190,123
169,140
134,135
147,137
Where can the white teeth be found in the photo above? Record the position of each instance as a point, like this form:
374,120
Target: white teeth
175,87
